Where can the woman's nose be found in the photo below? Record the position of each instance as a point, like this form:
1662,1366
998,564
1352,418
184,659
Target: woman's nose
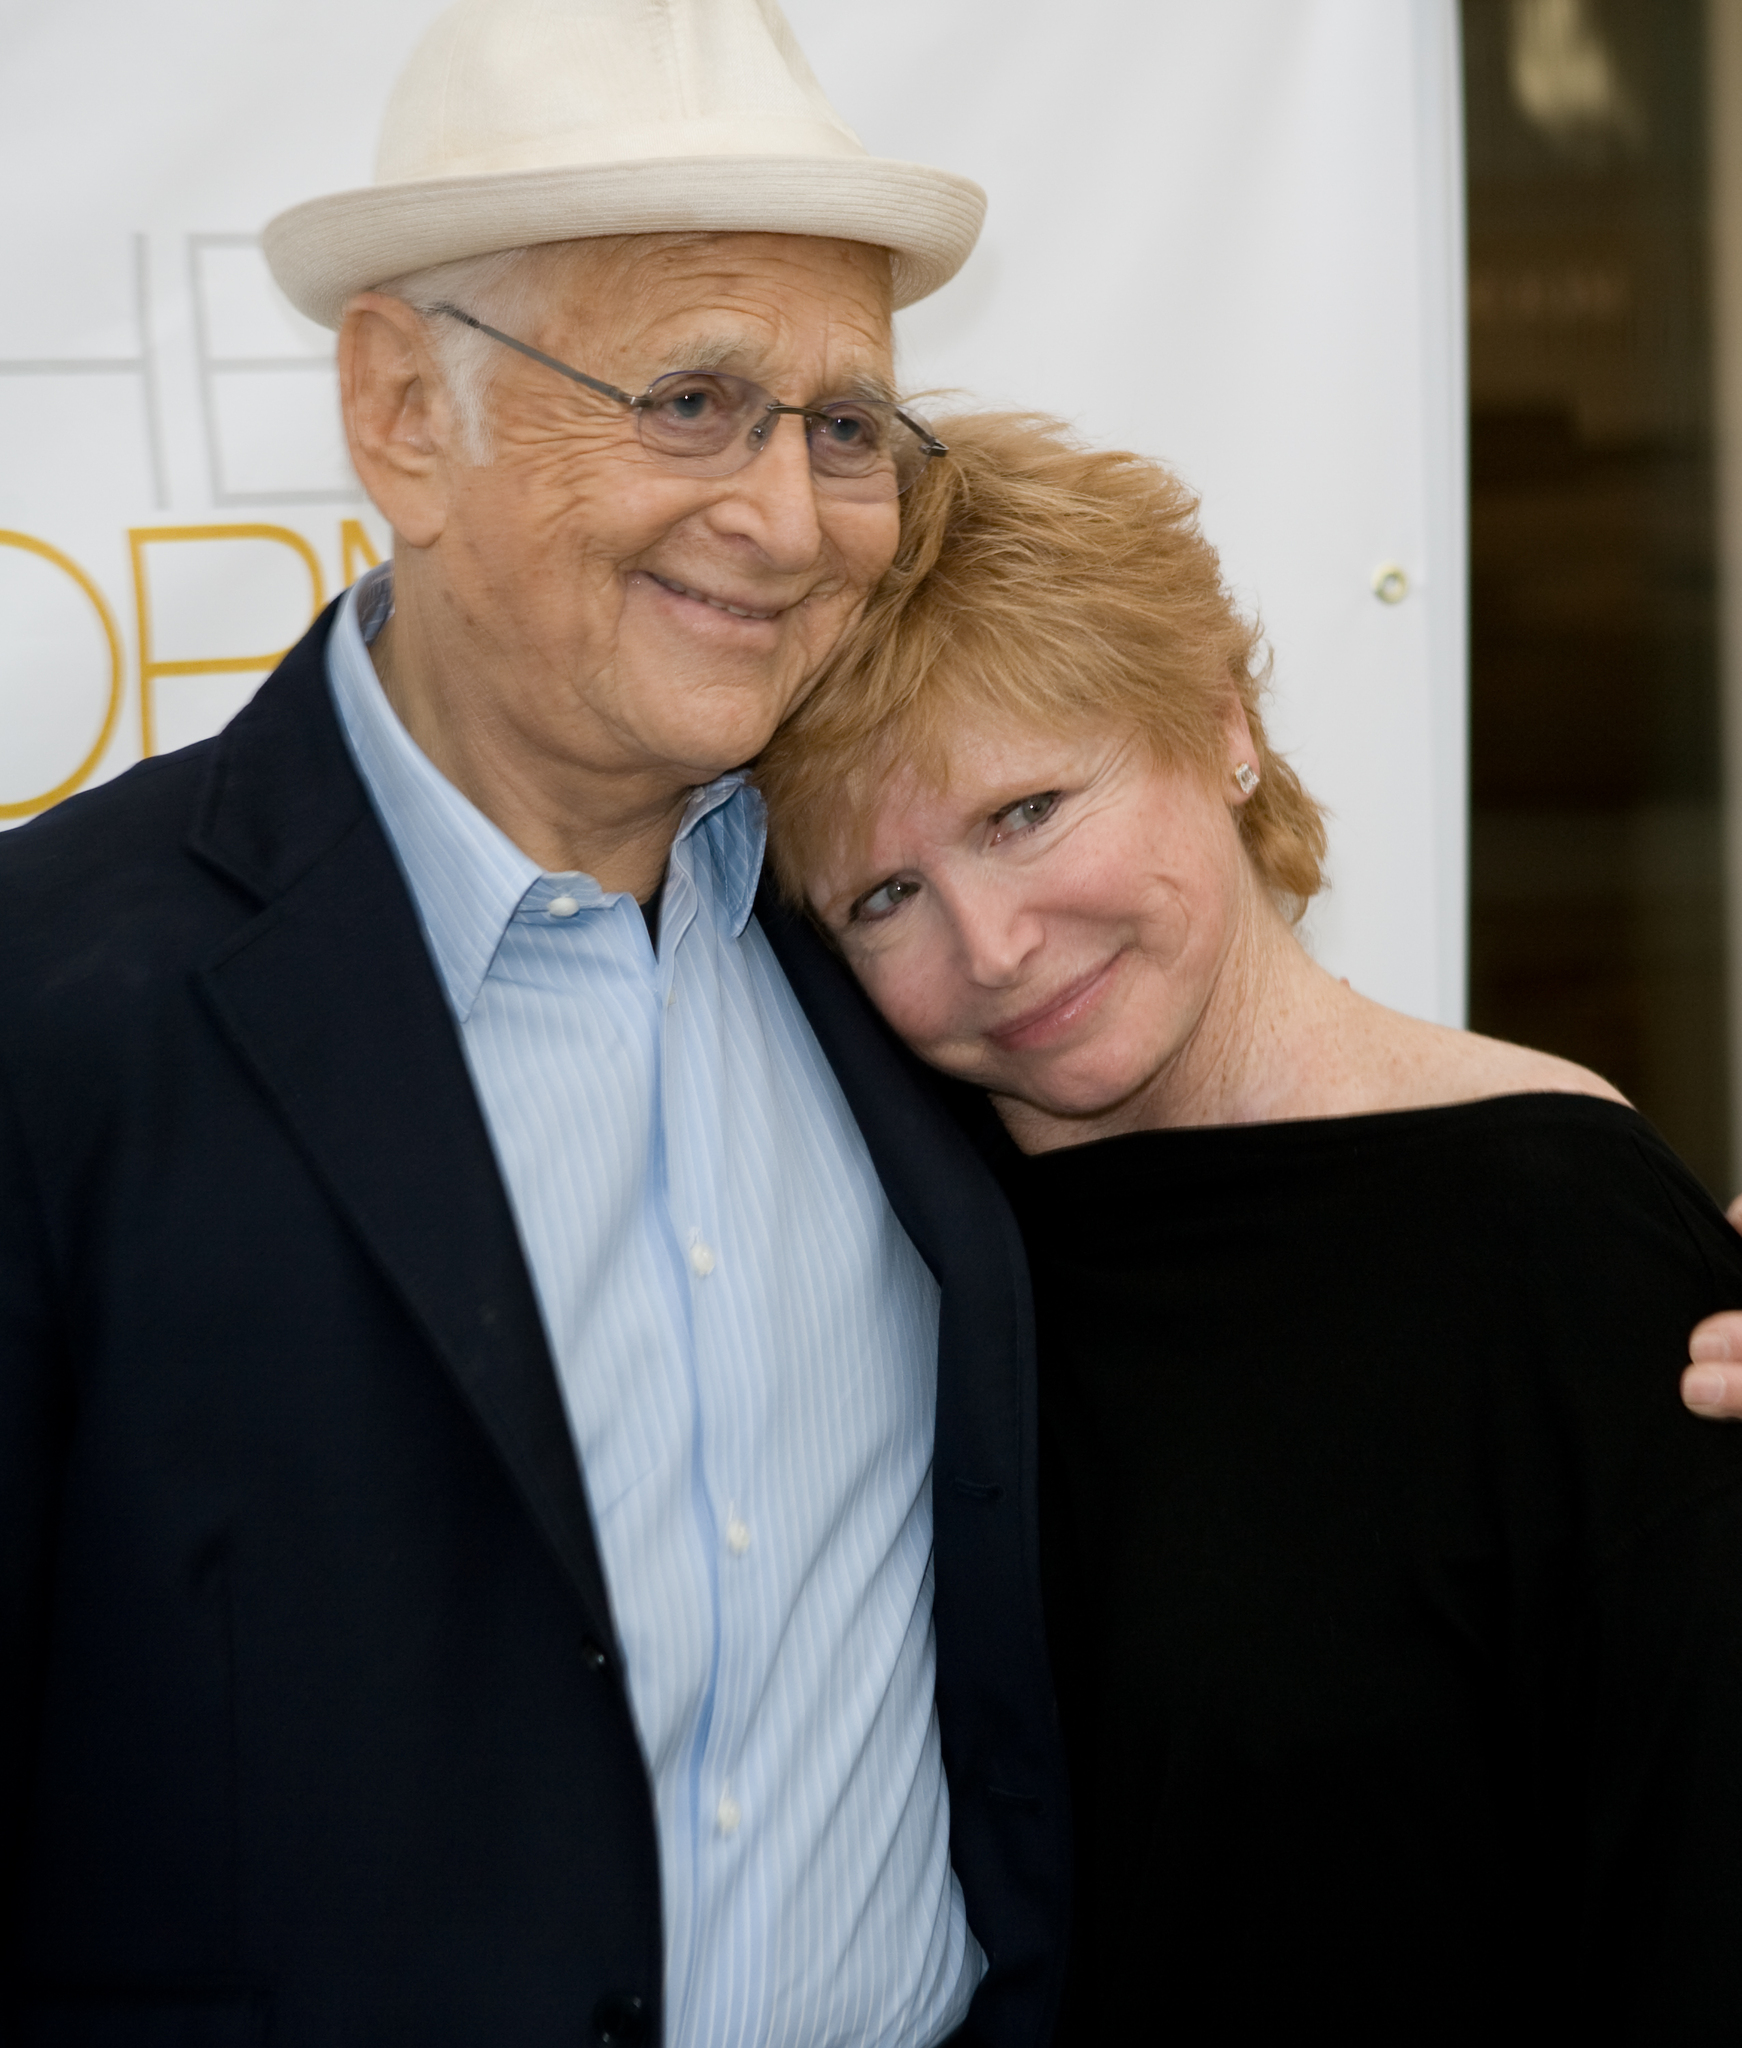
999,938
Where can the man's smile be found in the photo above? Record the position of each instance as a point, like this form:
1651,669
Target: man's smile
719,604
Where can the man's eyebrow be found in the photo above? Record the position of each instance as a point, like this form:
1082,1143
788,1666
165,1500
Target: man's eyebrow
732,352
865,384
705,352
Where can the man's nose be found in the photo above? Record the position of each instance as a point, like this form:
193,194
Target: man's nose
776,495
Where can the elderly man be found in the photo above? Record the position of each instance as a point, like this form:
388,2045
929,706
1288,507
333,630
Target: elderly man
475,1282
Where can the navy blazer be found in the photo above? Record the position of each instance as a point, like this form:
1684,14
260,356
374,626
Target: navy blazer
313,1726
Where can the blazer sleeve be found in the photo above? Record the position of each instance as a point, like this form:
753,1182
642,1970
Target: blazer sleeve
33,1422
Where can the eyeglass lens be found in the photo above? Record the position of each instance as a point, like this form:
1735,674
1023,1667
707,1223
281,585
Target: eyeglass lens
716,423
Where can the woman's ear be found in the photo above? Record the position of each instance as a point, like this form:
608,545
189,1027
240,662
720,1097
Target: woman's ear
1240,752
397,421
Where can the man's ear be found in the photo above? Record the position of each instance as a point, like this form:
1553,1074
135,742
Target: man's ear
397,419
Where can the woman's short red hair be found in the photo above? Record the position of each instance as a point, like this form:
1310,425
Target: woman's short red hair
1047,585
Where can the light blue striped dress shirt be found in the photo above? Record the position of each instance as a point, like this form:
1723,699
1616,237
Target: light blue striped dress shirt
747,1345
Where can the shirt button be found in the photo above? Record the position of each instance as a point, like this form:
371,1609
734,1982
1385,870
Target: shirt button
562,906
737,1536
671,997
701,1258
620,2020
726,1814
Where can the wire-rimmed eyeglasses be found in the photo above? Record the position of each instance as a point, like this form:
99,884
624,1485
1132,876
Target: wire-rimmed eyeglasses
710,423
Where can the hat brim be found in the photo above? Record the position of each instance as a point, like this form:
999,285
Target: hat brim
324,250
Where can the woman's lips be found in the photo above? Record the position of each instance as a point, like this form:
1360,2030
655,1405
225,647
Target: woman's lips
1059,1014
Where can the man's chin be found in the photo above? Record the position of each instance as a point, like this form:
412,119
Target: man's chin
726,723
700,758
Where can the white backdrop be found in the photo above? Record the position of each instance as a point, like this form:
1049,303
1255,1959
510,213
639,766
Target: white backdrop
1227,232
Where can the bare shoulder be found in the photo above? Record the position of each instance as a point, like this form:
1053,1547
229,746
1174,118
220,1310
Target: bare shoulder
1490,1066
1418,1065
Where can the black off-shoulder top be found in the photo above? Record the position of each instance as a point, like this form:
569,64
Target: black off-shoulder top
1395,1602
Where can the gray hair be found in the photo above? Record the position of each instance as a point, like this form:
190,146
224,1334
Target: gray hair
502,288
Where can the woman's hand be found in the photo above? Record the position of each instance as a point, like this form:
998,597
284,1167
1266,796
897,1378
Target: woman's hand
1712,1384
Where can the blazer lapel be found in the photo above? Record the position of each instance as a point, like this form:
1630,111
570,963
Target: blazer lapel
944,1194
1010,1841
330,998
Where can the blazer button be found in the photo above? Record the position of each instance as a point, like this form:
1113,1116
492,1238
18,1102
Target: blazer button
620,2020
592,1656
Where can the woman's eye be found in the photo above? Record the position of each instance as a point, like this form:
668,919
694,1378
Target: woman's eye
1027,810
880,902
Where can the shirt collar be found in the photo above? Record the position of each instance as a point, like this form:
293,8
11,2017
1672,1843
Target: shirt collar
466,875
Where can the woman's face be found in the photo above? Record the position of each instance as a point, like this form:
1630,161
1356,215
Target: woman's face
1053,925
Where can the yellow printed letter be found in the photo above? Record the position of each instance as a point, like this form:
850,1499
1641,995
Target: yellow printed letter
150,666
30,545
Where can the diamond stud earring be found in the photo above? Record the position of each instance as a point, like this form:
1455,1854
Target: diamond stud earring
1246,778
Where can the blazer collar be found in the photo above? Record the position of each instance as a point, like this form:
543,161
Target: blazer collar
330,998
939,1184
281,790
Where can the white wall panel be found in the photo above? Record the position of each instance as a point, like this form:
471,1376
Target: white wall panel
1227,232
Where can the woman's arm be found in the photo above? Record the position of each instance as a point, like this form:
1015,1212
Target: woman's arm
1664,1818
1648,1695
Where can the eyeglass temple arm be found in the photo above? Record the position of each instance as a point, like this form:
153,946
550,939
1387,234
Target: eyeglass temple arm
537,354
929,444
928,441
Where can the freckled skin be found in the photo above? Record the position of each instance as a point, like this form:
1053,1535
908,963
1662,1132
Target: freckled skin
1128,897
532,653
1104,956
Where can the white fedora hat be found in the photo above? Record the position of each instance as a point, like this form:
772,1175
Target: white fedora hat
524,121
